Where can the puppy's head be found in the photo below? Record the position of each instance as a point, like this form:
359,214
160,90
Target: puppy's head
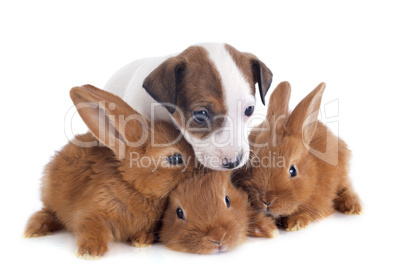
209,90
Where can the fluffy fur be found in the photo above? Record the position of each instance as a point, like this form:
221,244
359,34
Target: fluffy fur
95,190
209,224
322,184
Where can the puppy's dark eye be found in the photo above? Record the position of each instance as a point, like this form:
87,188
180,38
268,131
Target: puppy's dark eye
175,159
249,111
180,213
227,200
201,116
292,171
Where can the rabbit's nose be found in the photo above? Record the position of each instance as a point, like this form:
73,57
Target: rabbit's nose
220,247
232,164
216,242
216,235
267,205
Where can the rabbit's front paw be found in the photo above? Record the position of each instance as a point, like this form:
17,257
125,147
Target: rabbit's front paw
42,223
91,251
295,223
348,203
263,226
142,239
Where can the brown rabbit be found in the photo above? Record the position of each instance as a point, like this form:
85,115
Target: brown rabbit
114,189
207,214
299,169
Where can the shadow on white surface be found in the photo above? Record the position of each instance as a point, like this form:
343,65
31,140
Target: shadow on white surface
332,241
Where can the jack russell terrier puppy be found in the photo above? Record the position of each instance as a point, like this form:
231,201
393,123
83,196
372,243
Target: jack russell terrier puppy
207,91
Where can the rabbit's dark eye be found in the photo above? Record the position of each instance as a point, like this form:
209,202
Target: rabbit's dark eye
227,200
175,159
249,111
292,171
180,213
201,116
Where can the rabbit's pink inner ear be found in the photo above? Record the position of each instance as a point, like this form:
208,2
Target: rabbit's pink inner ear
279,101
304,117
110,119
103,127
98,119
309,126
131,128
278,109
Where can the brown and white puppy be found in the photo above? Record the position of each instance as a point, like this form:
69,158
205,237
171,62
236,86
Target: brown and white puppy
207,91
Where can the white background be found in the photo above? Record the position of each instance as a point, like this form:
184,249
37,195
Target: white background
47,47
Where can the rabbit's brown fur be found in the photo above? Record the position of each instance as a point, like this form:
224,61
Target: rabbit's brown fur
96,191
210,224
322,184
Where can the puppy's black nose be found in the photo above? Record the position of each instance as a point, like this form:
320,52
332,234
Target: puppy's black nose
231,165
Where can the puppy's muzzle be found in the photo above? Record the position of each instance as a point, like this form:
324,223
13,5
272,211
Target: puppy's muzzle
232,164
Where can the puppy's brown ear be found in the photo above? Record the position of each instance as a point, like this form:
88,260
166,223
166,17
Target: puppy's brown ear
162,83
303,119
253,68
262,76
111,120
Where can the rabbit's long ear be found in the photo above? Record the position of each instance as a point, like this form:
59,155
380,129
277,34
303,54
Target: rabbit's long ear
279,102
111,120
303,119
276,116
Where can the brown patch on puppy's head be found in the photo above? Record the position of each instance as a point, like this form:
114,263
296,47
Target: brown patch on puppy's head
187,83
254,70
209,90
